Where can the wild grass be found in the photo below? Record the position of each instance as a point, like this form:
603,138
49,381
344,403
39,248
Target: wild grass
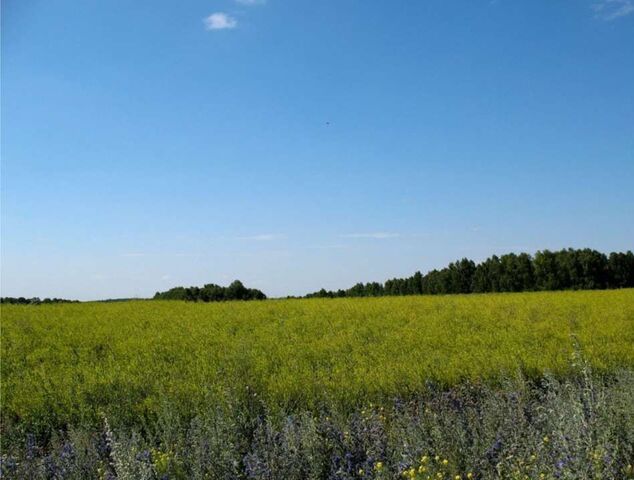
344,388
579,428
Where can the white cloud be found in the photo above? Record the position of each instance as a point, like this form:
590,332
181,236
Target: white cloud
613,9
251,2
159,254
263,237
416,235
378,235
220,21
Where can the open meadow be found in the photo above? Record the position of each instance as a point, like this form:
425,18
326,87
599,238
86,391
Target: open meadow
498,385
430,205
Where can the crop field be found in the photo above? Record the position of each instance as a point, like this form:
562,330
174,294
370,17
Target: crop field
532,385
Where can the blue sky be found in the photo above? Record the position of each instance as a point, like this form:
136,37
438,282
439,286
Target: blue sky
301,144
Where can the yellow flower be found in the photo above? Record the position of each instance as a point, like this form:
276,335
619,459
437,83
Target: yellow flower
546,439
422,469
437,458
445,462
469,475
360,471
378,466
457,477
424,459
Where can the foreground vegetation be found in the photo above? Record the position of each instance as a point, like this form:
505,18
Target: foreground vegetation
580,428
500,386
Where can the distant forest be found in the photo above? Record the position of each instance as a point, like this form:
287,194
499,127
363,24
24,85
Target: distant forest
211,293
34,300
569,269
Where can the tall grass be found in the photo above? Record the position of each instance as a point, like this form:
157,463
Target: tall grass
579,428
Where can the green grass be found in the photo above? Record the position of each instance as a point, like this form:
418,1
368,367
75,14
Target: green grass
62,364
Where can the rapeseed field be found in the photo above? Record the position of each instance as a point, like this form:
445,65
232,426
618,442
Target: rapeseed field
368,373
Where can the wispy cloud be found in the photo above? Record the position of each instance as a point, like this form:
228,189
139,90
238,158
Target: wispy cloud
612,9
251,2
159,254
378,235
263,237
270,254
219,21
329,247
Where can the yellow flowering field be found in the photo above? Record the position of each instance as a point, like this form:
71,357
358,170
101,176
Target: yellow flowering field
66,363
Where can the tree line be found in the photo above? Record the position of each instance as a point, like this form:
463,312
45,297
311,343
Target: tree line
568,269
34,300
211,293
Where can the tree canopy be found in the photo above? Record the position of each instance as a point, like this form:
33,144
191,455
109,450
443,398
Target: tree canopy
568,269
34,300
211,293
